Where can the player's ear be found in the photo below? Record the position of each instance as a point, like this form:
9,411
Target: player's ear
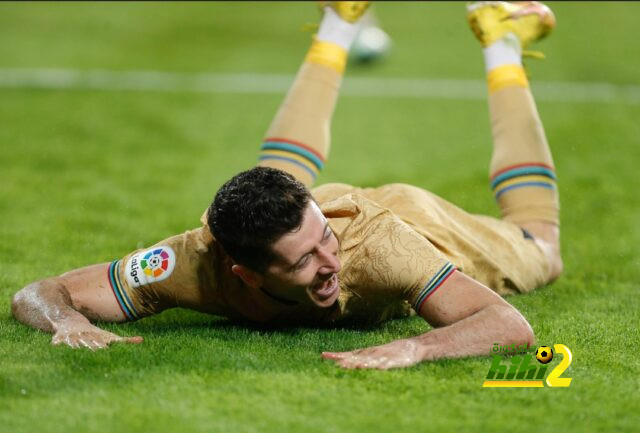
250,277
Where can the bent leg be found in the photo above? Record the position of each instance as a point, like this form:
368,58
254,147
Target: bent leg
522,171
298,139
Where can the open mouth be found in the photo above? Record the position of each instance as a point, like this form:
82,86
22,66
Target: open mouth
327,289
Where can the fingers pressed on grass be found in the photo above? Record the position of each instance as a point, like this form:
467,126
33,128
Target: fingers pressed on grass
126,340
88,344
334,355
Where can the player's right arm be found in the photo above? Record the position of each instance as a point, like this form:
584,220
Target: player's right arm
65,306
176,272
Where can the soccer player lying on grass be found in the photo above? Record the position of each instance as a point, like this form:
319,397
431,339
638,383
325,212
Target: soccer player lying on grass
272,251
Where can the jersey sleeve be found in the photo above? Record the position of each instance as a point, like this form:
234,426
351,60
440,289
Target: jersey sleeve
391,259
175,272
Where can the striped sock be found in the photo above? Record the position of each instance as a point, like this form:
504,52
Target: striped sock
523,175
281,149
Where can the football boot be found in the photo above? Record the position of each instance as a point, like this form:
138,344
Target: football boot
528,21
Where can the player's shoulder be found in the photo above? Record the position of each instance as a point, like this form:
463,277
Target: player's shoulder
330,191
356,219
198,240
168,258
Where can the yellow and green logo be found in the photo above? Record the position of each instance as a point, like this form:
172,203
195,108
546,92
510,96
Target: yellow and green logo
523,371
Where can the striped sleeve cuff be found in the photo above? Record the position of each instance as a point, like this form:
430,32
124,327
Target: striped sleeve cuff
433,284
124,301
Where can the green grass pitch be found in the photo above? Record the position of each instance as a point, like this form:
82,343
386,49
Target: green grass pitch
87,175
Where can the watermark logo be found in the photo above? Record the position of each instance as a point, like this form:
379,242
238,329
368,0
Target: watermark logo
544,354
521,370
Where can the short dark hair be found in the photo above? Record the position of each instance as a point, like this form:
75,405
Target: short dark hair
253,210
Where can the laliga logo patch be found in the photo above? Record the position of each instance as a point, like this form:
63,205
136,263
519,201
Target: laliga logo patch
150,266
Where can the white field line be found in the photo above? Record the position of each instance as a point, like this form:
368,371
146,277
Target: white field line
422,88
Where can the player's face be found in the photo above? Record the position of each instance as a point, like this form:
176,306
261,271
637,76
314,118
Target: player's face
307,266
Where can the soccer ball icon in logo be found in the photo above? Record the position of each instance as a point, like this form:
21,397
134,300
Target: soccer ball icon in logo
544,354
155,263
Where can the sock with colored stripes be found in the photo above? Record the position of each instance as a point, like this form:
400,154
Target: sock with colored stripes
522,173
298,139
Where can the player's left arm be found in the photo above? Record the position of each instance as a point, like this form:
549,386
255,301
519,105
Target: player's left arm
469,318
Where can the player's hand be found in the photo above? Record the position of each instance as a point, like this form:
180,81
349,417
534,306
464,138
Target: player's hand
89,336
398,353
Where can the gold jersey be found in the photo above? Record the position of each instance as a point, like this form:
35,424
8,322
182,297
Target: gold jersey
398,244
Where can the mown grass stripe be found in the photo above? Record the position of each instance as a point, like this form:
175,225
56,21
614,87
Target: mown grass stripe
242,83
